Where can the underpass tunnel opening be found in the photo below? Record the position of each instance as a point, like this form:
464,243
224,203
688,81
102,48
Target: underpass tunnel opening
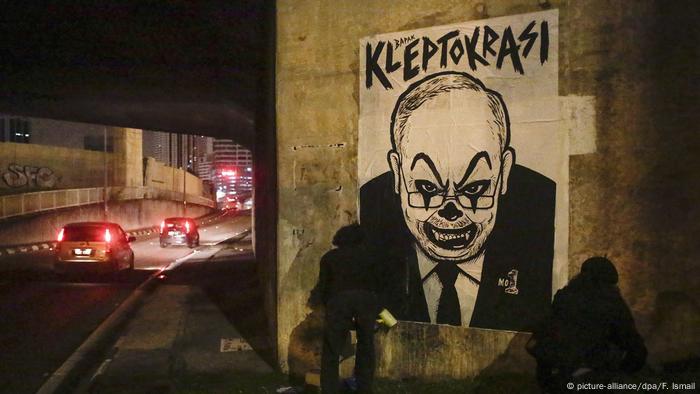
168,71
182,202
167,112
53,171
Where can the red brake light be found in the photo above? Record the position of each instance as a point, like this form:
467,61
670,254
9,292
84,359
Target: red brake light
187,227
108,236
60,235
162,226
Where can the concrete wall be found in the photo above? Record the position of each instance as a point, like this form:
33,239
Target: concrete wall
27,167
62,133
130,215
31,167
158,175
128,166
265,179
632,196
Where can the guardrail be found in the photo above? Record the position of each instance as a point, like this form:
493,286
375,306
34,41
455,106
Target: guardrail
27,203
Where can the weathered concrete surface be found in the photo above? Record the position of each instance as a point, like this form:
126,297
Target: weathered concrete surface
131,214
158,175
128,151
419,350
26,167
30,167
634,199
265,194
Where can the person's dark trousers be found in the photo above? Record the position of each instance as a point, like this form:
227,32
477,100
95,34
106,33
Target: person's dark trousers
341,310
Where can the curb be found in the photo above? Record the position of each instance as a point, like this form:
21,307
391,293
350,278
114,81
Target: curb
91,350
83,357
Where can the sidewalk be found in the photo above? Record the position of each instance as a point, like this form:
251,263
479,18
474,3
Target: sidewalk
202,330
196,332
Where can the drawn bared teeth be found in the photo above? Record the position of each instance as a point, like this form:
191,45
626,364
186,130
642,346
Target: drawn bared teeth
444,236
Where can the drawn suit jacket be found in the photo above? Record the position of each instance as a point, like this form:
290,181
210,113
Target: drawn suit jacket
522,240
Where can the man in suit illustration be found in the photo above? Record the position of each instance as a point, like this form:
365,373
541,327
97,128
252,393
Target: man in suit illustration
468,234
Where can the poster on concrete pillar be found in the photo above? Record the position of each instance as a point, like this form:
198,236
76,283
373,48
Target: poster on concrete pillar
463,170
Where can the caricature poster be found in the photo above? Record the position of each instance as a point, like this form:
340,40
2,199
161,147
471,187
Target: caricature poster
463,170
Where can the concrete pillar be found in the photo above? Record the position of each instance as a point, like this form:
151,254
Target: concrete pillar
631,197
128,157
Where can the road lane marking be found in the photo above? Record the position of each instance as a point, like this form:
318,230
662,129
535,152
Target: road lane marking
178,262
100,370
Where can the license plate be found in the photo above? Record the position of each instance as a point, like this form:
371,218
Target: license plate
82,252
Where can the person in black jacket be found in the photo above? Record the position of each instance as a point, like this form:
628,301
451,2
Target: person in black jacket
591,333
348,281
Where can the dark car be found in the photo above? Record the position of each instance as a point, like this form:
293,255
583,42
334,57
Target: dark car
95,247
179,231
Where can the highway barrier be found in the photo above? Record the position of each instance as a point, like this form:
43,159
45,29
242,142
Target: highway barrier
15,205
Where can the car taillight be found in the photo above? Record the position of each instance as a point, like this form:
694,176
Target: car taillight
162,226
187,227
60,235
108,240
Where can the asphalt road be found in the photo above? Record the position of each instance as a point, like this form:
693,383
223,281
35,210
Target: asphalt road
43,319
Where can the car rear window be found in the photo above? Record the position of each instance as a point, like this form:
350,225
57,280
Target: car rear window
84,233
178,224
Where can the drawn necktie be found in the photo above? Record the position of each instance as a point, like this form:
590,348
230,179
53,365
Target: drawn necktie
448,306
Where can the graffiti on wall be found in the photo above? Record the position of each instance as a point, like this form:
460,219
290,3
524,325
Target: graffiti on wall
22,176
463,170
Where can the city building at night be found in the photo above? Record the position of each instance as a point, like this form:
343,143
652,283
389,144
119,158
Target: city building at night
204,167
177,149
14,129
202,158
155,144
52,132
233,169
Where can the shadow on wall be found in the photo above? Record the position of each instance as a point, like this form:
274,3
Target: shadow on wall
306,339
673,341
674,352
512,371
305,345
416,350
498,360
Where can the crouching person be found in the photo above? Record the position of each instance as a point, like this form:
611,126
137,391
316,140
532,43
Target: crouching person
590,335
348,284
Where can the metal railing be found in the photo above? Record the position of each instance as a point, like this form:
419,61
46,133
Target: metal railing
27,203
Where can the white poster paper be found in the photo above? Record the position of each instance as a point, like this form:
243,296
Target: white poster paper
463,170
